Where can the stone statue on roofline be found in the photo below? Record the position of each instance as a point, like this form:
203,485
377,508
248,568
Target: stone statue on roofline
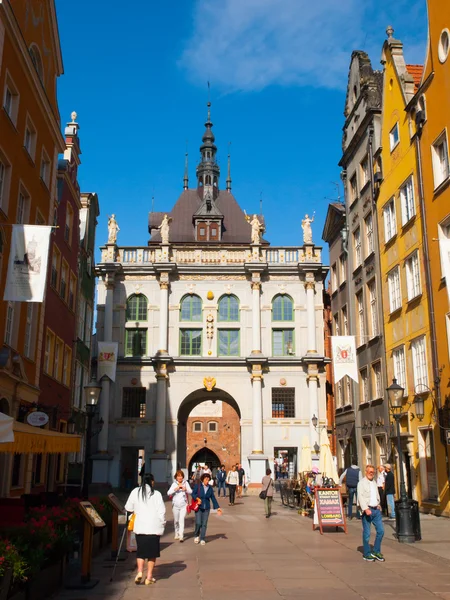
113,229
164,229
307,230
257,229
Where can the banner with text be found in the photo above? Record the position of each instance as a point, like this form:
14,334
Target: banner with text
107,360
444,247
343,349
27,266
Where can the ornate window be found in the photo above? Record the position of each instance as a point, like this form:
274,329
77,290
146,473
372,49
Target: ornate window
282,308
190,342
135,342
283,342
137,308
228,308
191,308
228,340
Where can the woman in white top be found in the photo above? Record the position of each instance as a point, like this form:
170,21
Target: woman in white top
233,482
150,519
178,492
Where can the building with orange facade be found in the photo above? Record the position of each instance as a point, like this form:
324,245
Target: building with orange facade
430,109
30,64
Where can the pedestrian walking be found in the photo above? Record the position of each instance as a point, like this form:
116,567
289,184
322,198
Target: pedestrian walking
389,490
352,476
148,507
241,474
381,476
204,494
267,485
232,482
221,477
369,502
178,492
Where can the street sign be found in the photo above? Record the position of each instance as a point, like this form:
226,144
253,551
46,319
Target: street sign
328,509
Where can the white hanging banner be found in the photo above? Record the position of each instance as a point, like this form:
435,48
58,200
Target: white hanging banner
444,247
27,266
343,349
107,359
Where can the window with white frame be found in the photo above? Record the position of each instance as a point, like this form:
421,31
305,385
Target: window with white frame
390,221
334,278
373,321
439,154
336,324
367,450
212,426
368,225
23,207
364,385
364,166
29,140
447,323
197,426
28,350
11,99
343,267
45,168
5,174
407,201
353,188
382,449
399,364
9,323
413,275
419,361
357,247
361,324
344,320
427,464
394,137
444,246
377,381
444,45
395,297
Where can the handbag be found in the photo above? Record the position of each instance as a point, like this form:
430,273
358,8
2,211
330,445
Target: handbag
263,493
194,506
131,522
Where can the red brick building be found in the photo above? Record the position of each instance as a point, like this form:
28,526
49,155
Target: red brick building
213,435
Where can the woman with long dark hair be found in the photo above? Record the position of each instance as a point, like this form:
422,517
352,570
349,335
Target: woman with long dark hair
150,519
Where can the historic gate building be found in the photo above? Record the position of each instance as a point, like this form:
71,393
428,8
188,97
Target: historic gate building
208,310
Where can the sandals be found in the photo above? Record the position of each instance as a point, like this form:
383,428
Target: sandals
138,578
150,581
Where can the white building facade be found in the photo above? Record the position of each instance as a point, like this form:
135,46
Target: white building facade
209,311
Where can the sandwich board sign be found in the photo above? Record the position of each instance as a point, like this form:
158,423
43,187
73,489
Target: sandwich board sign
328,509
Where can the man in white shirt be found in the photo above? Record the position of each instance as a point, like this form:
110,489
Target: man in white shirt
369,502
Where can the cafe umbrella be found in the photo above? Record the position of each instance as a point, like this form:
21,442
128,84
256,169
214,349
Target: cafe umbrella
326,462
305,457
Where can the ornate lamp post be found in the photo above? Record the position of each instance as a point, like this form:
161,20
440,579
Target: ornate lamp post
92,393
405,507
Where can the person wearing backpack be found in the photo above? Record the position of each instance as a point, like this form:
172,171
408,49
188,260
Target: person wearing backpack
352,476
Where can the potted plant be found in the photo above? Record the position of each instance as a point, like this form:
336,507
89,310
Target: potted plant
12,567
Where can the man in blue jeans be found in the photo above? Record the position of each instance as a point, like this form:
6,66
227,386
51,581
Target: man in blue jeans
352,476
369,502
221,476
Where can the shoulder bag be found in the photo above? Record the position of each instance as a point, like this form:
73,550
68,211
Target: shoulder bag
131,522
194,506
263,493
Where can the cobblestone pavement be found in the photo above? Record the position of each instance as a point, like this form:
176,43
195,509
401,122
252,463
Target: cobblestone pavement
249,557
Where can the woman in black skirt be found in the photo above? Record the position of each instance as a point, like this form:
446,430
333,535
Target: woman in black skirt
150,520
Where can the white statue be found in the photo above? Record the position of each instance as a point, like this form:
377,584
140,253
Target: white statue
113,229
307,231
257,230
164,229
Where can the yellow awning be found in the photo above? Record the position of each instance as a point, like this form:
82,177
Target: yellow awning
32,440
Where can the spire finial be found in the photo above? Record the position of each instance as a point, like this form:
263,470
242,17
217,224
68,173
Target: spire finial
229,170
186,170
209,104
74,116
389,31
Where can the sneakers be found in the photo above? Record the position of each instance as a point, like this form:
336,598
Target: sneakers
196,540
378,556
202,543
369,558
176,537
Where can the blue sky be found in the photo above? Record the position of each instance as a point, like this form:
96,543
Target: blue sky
278,72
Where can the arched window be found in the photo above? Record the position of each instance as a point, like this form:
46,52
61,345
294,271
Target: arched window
212,426
228,308
191,308
282,308
137,308
208,180
197,426
37,61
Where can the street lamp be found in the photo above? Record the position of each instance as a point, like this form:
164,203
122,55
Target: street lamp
314,421
419,404
404,507
92,394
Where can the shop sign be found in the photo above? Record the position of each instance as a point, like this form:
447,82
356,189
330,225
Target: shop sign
37,418
328,509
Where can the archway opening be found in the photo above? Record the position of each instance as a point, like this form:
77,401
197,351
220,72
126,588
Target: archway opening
209,430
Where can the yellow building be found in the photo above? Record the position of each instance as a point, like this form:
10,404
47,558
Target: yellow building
405,294
431,111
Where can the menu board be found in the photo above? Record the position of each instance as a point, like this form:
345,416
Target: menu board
116,504
328,509
91,514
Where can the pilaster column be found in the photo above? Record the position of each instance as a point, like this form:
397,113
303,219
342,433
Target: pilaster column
163,312
310,288
256,316
257,424
161,408
313,397
109,297
104,414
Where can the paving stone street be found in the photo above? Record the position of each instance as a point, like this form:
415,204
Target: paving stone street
249,557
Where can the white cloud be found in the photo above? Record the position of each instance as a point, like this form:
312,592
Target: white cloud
251,44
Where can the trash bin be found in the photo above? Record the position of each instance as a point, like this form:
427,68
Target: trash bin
407,521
